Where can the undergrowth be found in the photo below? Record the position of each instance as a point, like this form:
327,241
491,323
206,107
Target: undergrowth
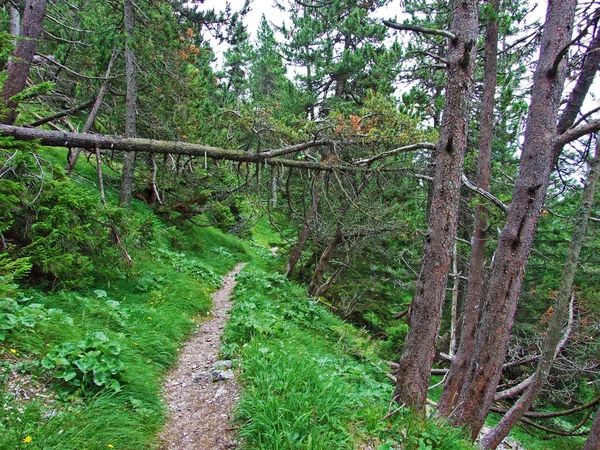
310,380
85,338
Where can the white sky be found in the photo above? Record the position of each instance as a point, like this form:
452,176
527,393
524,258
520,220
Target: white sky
277,17
273,15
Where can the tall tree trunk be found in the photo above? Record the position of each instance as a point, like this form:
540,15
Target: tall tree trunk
298,247
559,314
20,63
454,309
126,190
460,362
593,440
516,239
74,154
413,372
274,183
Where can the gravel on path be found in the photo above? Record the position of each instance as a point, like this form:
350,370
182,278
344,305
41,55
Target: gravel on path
201,409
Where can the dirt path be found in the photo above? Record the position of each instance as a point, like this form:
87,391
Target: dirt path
200,408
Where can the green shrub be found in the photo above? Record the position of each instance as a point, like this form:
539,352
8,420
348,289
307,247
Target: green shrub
65,231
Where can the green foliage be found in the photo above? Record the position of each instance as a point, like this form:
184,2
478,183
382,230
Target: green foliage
395,341
34,91
422,434
107,347
197,269
63,230
91,361
311,381
18,315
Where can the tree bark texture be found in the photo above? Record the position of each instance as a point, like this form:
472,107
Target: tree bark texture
516,238
454,319
559,314
20,63
414,370
127,177
593,440
74,154
312,212
475,279
100,177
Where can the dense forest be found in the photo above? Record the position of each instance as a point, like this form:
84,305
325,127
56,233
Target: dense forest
411,185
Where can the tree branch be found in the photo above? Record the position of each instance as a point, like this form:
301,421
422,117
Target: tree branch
406,148
575,133
91,141
485,194
66,112
550,415
418,29
77,74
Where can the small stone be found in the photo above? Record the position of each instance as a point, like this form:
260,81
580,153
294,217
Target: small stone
225,364
222,375
220,392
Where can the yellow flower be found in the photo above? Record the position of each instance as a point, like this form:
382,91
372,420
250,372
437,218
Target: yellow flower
27,440
110,446
13,351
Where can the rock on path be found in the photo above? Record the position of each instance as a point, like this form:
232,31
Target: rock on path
200,394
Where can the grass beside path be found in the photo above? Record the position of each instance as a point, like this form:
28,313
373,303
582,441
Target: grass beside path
310,380
123,334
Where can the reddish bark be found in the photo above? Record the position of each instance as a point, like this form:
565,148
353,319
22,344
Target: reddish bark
414,370
593,440
516,239
460,363
20,63
559,315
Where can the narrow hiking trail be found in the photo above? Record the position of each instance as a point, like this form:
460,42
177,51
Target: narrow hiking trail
200,394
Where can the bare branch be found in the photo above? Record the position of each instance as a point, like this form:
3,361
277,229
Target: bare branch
405,149
575,133
66,112
295,148
485,194
549,415
91,141
418,29
71,71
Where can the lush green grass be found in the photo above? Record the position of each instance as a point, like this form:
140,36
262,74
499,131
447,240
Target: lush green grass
146,314
311,381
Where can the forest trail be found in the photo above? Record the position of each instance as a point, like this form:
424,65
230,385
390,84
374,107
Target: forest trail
200,408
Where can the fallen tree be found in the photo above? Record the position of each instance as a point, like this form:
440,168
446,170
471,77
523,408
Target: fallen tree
93,141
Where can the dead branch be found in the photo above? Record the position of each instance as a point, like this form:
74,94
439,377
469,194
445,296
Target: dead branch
418,29
58,115
550,415
405,149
